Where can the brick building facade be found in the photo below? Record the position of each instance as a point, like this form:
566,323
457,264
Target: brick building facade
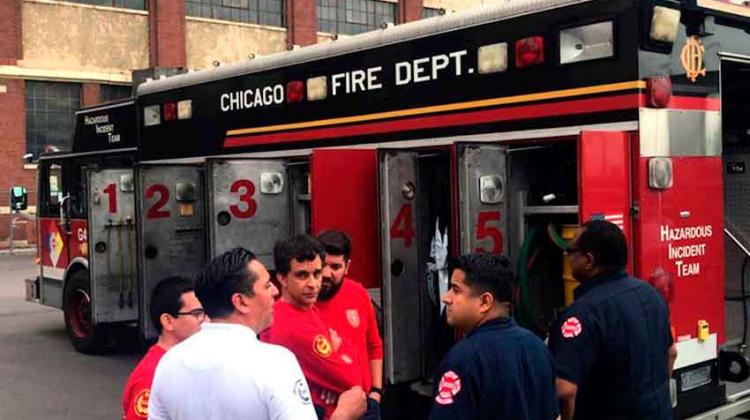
56,56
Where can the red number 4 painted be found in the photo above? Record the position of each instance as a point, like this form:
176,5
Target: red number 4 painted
484,231
402,227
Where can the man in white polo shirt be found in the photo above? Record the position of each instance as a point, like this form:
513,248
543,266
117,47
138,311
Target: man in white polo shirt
223,371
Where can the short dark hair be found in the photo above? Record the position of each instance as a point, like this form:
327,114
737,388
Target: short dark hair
298,247
606,242
166,298
336,242
221,278
487,273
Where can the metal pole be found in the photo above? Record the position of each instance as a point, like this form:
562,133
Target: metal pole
10,232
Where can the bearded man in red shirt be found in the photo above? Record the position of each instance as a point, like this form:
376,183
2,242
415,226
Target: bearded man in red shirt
345,306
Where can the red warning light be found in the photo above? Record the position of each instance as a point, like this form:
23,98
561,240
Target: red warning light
170,111
529,51
295,91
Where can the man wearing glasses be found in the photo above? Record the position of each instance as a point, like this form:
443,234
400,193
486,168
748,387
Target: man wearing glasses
612,347
176,314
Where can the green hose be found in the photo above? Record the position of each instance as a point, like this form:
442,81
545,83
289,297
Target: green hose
556,238
524,313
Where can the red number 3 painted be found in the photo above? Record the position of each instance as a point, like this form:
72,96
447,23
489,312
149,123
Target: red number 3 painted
246,197
484,231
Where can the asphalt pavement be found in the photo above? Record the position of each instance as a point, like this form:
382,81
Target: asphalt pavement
41,375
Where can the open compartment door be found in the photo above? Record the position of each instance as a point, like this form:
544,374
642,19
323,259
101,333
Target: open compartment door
344,196
171,228
400,258
483,204
604,179
249,206
111,212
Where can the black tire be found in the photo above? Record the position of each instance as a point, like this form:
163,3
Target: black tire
85,336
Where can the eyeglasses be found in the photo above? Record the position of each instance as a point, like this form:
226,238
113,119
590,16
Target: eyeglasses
198,313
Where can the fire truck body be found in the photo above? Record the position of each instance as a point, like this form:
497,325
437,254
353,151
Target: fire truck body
478,131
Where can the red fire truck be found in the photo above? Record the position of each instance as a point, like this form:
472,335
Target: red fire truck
490,130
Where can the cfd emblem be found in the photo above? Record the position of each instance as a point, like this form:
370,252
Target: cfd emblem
321,346
140,406
692,58
352,315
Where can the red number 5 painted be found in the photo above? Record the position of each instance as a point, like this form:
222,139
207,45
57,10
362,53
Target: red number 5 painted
246,197
484,231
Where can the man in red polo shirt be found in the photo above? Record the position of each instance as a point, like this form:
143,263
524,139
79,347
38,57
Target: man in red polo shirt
346,307
176,314
329,364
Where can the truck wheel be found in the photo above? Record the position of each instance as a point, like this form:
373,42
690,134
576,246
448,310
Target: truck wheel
85,336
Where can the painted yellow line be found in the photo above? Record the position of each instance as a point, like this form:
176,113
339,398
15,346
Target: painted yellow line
612,87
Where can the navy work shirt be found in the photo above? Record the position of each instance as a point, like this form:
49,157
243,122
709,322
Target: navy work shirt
613,343
499,371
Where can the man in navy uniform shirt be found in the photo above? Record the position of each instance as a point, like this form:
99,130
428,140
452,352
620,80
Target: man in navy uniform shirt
500,370
613,347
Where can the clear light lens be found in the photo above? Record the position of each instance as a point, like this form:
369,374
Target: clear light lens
664,24
317,88
660,173
185,109
271,183
493,58
151,115
491,189
586,43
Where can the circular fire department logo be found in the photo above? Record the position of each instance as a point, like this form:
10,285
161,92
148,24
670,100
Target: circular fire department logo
692,58
450,385
140,406
571,327
322,346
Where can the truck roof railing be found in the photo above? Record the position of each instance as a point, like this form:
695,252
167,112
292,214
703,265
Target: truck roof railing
390,35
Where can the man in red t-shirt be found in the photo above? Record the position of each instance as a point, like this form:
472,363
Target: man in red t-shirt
328,363
176,314
346,307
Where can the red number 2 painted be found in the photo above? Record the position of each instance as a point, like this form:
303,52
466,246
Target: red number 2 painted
402,227
111,191
246,197
155,211
484,231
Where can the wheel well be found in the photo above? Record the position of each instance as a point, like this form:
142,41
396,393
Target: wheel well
76,267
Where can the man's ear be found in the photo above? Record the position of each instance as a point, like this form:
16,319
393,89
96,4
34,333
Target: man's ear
238,303
486,302
166,321
348,265
281,279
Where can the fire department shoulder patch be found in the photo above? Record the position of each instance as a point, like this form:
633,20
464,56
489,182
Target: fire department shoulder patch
140,406
322,346
571,327
352,315
450,385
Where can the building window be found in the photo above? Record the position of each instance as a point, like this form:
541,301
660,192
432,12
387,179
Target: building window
125,4
50,118
108,93
429,12
351,17
262,12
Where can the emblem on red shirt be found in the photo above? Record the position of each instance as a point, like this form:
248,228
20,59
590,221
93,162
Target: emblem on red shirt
571,327
450,385
352,315
140,406
321,346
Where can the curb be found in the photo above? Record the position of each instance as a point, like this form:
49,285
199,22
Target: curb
18,251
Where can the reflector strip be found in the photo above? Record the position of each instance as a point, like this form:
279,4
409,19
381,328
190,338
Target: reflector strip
565,93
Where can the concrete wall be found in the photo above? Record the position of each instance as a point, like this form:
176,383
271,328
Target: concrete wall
83,38
210,40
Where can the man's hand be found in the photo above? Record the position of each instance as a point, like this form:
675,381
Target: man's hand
351,406
374,396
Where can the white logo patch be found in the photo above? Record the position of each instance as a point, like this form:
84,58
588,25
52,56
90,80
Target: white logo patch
450,385
571,327
352,315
